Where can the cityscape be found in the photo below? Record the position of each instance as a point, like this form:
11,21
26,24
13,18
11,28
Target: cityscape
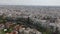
18,19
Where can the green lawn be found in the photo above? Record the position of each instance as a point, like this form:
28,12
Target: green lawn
2,32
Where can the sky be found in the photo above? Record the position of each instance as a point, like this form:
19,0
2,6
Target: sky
31,2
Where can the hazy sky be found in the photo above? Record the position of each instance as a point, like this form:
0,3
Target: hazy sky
30,2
